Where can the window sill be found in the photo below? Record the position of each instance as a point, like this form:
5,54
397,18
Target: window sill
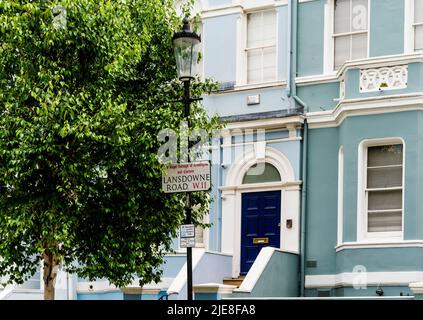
387,243
260,85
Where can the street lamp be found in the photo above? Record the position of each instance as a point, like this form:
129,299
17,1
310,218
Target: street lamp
187,47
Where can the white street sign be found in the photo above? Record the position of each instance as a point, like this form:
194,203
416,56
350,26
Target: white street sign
187,177
187,242
187,231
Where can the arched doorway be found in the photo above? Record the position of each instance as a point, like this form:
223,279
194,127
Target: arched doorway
260,215
273,174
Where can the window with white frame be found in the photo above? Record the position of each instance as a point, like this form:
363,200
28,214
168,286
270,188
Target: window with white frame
384,188
261,46
350,30
418,25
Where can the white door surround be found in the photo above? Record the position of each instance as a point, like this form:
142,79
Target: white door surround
231,204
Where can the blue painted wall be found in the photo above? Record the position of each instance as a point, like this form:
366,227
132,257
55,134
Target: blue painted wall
278,279
386,27
219,47
235,103
321,227
118,295
173,264
322,193
380,259
370,291
319,97
310,37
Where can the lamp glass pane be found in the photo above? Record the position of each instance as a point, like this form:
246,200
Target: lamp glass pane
187,56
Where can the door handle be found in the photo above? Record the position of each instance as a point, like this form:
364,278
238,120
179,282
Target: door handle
260,240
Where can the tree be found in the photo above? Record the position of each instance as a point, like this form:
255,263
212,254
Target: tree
85,87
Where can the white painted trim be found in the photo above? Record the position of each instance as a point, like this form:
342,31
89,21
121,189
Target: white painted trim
319,79
7,291
241,57
272,123
256,270
267,186
367,63
379,244
141,290
214,288
267,141
327,43
97,287
380,61
408,26
416,287
251,5
253,10
329,40
242,86
364,106
232,197
340,220
181,279
362,215
346,279
221,11
244,162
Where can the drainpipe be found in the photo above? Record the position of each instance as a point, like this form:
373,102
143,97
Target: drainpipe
303,203
292,92
290,53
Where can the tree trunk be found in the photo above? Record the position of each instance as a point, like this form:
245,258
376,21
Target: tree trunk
51,267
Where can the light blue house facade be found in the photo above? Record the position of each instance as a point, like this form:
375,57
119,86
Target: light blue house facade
316,177
360,75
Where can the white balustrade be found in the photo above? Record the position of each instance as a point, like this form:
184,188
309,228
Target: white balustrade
385,78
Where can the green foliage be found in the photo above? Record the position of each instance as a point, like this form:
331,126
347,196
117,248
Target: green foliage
81,105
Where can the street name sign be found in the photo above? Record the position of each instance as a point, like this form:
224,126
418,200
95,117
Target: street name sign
186,177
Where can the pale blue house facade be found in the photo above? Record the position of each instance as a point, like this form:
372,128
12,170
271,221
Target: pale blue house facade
360,75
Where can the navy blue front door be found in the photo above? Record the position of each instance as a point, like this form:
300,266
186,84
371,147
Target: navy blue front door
260,225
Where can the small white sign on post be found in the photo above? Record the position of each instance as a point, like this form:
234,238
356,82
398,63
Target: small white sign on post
187,177
187,236
187,231
187,242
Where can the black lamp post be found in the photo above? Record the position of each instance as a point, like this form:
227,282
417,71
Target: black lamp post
187,47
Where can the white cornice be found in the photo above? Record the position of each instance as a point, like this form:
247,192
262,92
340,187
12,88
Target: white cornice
291,185
319,79
251,87
349,279
213,288
221,11
371,245
379,62
265,123
240,7
366,63
256,86
364,106
416,287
